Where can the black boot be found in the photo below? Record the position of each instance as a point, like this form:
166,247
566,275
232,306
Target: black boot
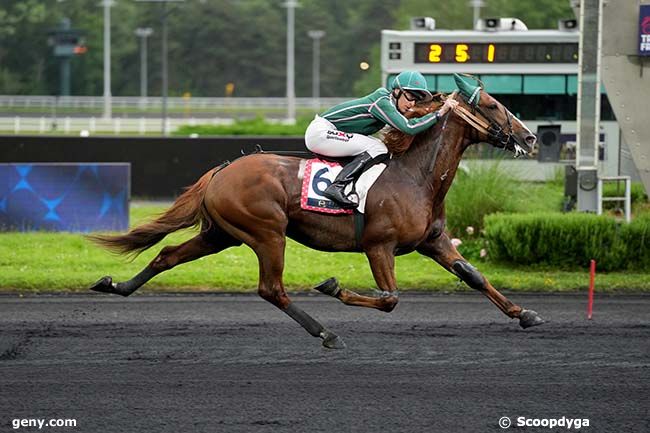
349,173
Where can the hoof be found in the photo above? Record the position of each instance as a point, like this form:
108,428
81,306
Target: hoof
529,318
104,285
388,303
332,341
329,287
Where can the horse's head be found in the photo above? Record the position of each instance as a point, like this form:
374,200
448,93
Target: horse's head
504,130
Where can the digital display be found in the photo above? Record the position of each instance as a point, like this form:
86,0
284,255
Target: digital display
480,52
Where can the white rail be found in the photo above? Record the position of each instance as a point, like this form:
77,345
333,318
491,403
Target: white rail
98,125
51,103
626,199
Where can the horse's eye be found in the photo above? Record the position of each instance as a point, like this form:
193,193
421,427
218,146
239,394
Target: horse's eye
492,106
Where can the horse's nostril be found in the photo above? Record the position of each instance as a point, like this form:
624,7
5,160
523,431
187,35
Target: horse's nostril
531,140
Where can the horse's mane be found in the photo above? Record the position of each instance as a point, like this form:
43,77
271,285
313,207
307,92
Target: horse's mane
399,142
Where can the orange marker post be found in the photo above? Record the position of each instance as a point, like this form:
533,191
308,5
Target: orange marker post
592,277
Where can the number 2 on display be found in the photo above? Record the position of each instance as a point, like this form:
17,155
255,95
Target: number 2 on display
435,51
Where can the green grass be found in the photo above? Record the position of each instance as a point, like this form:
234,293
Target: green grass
255,126
50,262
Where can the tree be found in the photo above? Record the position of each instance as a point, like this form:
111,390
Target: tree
216,42
22,64
540,14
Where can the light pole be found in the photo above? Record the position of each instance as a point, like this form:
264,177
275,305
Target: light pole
163,19
143,33
107,58
291,6
316,35
477,5
66,43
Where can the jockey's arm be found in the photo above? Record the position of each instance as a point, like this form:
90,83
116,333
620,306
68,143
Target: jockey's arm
387,112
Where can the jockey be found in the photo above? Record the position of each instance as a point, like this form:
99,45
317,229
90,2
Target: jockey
346,129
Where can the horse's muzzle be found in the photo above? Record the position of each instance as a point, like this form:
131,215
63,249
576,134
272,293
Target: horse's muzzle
530,141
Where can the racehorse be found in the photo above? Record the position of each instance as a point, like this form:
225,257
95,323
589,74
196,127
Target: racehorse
255,200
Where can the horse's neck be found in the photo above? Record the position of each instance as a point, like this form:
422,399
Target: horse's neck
446,166
447,150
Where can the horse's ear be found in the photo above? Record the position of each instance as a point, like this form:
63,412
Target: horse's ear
471,92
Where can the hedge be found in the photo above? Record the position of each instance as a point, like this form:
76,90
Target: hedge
569,241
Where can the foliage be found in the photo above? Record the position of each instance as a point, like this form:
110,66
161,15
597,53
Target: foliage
538,14
371,80
213,43
473,247
476,192
485,188
569,241
22,58
256,126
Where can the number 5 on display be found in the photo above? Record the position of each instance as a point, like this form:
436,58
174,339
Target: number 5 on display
461,53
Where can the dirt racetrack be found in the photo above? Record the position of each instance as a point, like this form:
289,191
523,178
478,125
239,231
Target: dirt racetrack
233,363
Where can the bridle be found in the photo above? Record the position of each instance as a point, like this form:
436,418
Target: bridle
493,130
502,135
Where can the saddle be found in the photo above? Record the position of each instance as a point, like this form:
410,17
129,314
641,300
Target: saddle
304,154
321,168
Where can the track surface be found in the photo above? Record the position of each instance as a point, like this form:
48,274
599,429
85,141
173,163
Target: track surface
219,363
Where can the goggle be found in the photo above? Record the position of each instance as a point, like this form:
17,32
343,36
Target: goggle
412,96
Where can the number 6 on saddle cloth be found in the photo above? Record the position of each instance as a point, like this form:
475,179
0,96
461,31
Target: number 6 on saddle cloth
318,174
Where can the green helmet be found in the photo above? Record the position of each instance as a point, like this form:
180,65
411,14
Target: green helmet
412,81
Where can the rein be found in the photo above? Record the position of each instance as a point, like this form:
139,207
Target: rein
493,130
432,164
479,124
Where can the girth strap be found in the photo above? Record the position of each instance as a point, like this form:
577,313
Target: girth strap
359,224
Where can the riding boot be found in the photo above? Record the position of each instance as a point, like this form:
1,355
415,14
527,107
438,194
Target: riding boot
348,174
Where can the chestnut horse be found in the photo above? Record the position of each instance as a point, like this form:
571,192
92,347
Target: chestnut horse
255,200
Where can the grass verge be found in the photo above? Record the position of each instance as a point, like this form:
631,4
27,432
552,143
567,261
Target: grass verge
62,262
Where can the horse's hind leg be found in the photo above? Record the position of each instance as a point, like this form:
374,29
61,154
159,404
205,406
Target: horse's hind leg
270,253
207,242
442,251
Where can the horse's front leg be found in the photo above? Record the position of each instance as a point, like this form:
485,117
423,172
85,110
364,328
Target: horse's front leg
382,264
443,251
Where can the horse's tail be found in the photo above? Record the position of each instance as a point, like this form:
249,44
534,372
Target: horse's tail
187,211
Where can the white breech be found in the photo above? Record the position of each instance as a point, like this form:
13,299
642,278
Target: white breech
323,138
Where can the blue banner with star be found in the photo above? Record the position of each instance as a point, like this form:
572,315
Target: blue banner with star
64,197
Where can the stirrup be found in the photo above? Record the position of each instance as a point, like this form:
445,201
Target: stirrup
336,194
